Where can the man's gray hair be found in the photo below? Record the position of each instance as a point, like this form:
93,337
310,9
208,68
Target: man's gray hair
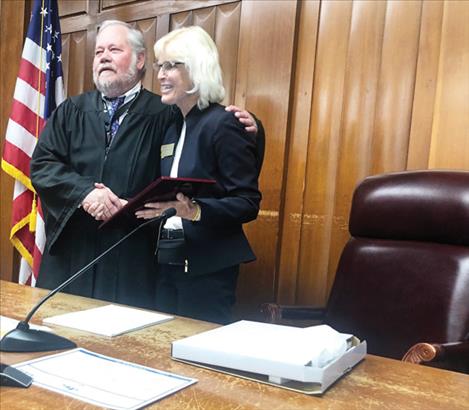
135,37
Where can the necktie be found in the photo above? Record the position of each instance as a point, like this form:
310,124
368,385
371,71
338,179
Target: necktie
115,105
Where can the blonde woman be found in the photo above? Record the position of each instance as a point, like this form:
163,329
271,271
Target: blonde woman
199,279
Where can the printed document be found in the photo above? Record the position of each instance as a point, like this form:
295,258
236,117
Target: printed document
101,380
109,320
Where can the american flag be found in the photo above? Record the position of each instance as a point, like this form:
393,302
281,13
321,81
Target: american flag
39,89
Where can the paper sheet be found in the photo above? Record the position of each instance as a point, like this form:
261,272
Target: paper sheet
101,380
7,324
109,320
315,346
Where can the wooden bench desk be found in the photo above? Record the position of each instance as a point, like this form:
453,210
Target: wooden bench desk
376,383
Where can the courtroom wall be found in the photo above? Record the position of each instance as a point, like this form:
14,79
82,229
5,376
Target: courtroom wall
345,89
379,86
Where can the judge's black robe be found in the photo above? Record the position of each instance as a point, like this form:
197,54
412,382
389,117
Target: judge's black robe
69,158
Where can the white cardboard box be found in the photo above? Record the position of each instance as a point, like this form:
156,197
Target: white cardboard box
273,354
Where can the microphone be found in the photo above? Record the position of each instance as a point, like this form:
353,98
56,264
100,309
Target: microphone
25,339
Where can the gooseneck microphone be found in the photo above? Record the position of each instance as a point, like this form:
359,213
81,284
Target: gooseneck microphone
25,339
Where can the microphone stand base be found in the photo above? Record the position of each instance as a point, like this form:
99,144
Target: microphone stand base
31,340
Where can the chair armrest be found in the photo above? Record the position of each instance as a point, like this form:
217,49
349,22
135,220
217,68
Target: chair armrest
435,352
274,312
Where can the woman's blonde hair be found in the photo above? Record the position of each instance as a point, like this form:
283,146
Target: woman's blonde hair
196,49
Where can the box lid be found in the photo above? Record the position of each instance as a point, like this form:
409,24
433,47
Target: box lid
281,353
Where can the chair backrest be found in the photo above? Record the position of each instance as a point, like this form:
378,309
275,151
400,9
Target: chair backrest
403,277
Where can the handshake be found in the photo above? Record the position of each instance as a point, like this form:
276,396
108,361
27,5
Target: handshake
101,203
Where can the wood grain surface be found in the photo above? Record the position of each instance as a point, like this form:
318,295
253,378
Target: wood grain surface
376,383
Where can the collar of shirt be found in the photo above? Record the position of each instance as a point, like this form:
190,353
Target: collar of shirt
129,95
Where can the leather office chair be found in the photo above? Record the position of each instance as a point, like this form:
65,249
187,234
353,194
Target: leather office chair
402,282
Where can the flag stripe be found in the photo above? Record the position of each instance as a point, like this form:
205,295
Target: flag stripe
20,137
26,238
40,242
25,273
18,161
19,189
29,96
59,90
34,54
20,113
29,73
22,207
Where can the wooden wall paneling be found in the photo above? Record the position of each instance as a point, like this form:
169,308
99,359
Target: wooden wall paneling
396,86
76,23
71,7
14,18
78,41
77,15
126,10
295,179
66,60
77,64
148,28
162,28
425,85
151,8
205,18
91,32
163,25
323,146
263,86
388,147
450,133
226,37
357,120
179,20
112,3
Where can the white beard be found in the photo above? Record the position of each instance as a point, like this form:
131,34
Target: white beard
115,87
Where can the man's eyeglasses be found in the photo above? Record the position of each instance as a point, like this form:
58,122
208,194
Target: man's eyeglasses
166,66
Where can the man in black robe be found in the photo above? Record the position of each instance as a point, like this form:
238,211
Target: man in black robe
87,163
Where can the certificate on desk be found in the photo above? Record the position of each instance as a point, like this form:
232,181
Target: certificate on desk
109,320
101,380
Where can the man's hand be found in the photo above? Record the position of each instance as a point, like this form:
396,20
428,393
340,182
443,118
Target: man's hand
101,203
244,118
184,206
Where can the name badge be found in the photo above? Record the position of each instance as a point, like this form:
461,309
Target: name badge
167,150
